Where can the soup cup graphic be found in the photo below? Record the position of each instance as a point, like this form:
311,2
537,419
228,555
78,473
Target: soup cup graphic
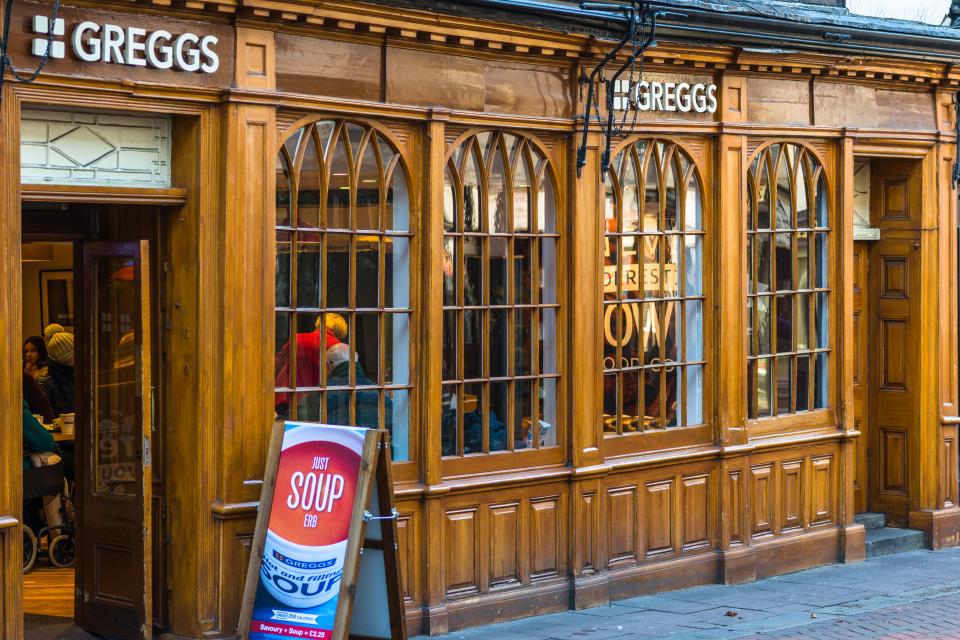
313,498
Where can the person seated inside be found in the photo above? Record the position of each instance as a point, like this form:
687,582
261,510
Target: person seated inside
308,359
367,402
35,358
39,450
60,379
37,399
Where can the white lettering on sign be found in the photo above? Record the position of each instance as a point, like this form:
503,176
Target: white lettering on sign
665,96
131,46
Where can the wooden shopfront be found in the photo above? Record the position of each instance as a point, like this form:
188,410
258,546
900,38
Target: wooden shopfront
694,367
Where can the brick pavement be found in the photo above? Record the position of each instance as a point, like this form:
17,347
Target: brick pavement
900,597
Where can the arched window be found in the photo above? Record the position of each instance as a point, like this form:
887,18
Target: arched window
788,295
343,280
500,305
653,360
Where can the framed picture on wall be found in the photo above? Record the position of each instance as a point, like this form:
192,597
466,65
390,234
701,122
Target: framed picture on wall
56,298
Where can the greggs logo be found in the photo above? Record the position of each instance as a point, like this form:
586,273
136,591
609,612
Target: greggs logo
131,46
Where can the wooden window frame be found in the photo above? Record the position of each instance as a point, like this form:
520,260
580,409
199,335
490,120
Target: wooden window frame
812,418
620,443
540,169
389,158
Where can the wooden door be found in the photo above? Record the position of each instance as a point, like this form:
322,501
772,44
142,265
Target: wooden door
114,580
895,294
861,371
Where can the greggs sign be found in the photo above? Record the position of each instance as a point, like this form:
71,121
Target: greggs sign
132,46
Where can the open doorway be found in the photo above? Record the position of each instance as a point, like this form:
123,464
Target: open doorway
93,485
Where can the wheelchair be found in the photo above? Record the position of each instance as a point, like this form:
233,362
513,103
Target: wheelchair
39,482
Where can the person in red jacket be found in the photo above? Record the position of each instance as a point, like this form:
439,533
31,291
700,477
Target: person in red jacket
309,361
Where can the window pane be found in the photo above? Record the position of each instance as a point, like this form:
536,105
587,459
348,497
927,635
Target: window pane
803,321
282,287
368,190
338,192
651,200
522,195
398,201
803,383
523,429
522,349
784,384
472,344
451,350
820,389
282,202
522,271
498,270
281,349
822,319
694,265
546,205
802,195
308,192
610,395
548,341
497,195
500,418
764,262
547,400
821,204
694,410
630,197
308,270
396,276
365,344
473,410
396,408
784,324
764,386
396,351
694,331
449,435
449,271
764,322
692,211
308,407
499,345
471,194
820,258
784,195
671,266
473,272
803,260
450,214
548,271
671,201
671,331
763,196
338,271
651,266
367,256
784,262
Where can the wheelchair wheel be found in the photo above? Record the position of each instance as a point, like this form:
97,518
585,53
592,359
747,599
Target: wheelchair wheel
62,551
29,548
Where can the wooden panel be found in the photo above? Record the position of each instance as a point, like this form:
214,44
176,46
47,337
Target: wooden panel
588,513
858,360
875,107
256,59
893,341
894,277
763,499
895,205
734,501
695,512
893,460
462,553
823,489
622,524
112,567
791,495
545,538
407,540
504,543
659,517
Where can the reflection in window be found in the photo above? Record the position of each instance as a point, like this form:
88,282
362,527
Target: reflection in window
653,360
787,285
342,293
500,305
